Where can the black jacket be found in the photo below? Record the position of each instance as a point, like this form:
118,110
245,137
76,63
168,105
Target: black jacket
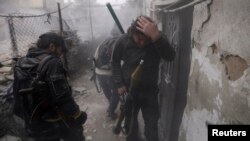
131,54
59,93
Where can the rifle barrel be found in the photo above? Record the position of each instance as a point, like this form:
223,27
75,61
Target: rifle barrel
112,12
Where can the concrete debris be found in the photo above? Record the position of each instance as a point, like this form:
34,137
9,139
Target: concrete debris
5,69
111,125
8,126
9,77
10,138
2,79
89,138
5,57
79,90
6,88
7,63
104,125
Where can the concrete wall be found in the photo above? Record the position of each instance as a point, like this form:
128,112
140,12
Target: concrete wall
219,81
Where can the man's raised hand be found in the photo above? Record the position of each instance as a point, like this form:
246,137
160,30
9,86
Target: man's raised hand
149,28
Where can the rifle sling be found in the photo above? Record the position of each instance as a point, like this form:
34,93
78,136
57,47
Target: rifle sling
43,105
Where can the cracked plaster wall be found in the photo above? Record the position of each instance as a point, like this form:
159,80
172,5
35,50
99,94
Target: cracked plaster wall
219,81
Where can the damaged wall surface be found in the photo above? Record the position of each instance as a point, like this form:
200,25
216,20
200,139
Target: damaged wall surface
219,81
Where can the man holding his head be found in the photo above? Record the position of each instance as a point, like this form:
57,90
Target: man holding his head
142,42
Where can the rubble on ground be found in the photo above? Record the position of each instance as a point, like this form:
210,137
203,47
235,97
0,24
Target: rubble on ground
76,91
9,126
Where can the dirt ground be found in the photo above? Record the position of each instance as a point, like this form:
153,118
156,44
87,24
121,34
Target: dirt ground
98,126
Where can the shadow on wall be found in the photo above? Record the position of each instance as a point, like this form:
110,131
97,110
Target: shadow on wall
173,93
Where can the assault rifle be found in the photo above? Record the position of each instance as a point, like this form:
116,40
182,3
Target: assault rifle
118,128
127,104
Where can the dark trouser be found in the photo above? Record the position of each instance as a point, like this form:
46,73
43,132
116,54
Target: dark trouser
147,101
46,131
109,91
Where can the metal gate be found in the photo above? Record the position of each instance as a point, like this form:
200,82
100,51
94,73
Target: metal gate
174,75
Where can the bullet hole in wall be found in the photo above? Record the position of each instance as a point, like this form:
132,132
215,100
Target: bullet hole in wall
214,48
